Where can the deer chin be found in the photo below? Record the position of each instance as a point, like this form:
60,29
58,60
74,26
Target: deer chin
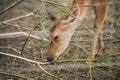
62,49
51,58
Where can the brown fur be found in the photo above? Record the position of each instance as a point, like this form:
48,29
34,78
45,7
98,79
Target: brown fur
65,31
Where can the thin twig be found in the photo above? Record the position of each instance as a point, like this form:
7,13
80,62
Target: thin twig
107,73
16,18
28,37
41,9
10,7
19,57
17,34
14,25
15,75
90,69
49,73
15,50
32,61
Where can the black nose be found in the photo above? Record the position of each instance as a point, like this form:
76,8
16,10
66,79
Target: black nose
49,59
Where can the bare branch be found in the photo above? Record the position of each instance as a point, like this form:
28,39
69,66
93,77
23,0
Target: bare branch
49,73
17,34
32,61
10,7
19,57
16,18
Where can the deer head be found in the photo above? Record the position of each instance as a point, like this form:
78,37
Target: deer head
61,33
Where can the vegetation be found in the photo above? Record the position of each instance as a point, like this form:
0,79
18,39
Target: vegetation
24,26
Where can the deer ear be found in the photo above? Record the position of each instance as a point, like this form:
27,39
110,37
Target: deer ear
70,19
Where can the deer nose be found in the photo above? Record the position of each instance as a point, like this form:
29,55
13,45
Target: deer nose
49,59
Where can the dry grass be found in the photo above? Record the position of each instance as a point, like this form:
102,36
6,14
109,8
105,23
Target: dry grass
73,63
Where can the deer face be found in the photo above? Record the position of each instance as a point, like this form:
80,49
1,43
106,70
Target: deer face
60,36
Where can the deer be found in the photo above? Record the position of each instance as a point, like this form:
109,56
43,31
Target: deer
63,29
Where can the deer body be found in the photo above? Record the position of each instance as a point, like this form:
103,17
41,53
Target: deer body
62,30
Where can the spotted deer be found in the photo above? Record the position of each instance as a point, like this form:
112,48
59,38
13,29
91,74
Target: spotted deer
63,29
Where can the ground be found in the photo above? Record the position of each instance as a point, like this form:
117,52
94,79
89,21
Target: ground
73,63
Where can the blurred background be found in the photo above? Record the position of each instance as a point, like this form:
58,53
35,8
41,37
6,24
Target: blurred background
24,27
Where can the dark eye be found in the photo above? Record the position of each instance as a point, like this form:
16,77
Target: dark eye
55,38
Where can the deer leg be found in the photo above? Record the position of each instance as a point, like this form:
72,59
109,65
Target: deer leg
100,43
100,15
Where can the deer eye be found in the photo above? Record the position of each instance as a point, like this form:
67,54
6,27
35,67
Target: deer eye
55,38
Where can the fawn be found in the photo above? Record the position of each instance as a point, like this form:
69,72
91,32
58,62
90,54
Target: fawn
63,29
